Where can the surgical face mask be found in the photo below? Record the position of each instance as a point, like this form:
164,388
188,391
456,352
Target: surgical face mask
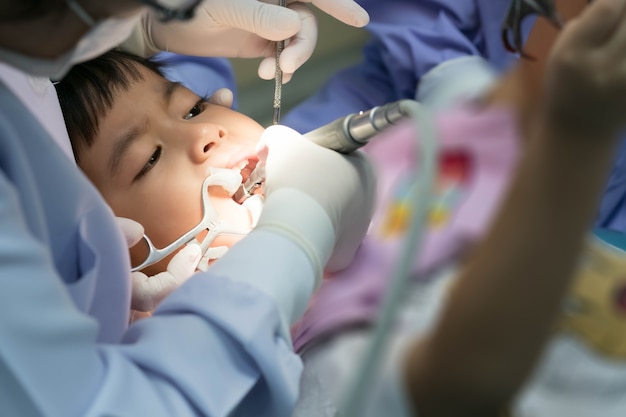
101,37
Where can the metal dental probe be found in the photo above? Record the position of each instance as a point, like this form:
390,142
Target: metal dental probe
278,77
257,176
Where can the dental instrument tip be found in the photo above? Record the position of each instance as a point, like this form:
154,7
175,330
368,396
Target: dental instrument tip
276,117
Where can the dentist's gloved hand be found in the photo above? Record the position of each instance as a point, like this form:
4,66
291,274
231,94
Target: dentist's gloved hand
245,29
147,291
319,198
222,97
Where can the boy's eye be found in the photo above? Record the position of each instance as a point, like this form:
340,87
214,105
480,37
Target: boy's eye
152,161
196,109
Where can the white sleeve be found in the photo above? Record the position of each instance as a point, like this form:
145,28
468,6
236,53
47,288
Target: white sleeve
274,265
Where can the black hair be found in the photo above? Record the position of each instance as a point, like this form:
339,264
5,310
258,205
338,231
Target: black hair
25,10
89,89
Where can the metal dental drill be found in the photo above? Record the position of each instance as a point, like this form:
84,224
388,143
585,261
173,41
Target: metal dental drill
344,135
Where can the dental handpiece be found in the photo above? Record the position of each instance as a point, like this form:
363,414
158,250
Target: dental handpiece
355,130
343,135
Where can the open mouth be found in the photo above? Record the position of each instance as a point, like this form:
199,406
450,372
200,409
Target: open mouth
245,165
251,178
247,168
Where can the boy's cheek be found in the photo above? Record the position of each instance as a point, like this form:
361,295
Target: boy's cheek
139,253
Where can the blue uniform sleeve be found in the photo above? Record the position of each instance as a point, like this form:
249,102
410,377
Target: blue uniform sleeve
202,75
612,212
213,348
409,38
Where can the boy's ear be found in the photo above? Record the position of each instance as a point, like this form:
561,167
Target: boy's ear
222,97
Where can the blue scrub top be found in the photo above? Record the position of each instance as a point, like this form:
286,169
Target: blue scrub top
214,347
202,75
409,38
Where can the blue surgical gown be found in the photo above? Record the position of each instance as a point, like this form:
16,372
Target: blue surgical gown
409,38
202,75
214,347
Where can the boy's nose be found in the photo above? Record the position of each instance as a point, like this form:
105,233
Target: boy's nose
205,139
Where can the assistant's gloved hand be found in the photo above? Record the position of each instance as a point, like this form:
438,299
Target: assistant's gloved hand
222,97
245,29
319,198
147,291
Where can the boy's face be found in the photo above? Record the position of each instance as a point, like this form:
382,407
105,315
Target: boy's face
155,148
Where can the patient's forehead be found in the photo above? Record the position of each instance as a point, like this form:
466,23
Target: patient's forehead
143,89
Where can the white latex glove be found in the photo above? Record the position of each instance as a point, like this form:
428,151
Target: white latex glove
319,198
247,29
462,78
147,291
222,97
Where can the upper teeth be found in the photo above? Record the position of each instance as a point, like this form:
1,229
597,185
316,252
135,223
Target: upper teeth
242,165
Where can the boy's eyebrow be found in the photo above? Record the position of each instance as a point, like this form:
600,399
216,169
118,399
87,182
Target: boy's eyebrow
123,143
170,88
